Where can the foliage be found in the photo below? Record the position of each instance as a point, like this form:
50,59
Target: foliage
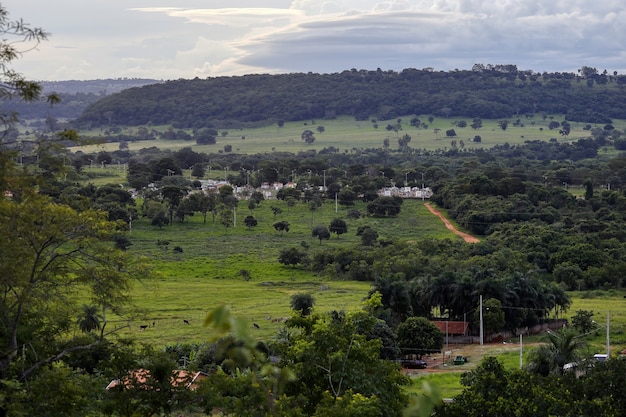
562,348
419,336
582,321
302,303
338,226
292,256
45,259
321,232
333,357
385,207
491,390
490,94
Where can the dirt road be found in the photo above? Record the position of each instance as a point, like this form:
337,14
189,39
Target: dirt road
468,238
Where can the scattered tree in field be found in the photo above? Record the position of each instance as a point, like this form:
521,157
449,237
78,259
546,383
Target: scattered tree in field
338,226
303,303
257,197
250,222
503,124
477,123
90,318
403,142
226,218
450,133
321,232
385,206
281,226
583,322
321,129
276,211
308,137
160,219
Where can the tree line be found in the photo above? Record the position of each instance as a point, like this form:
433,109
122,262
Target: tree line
489,93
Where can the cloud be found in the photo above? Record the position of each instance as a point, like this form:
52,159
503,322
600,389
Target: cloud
188,38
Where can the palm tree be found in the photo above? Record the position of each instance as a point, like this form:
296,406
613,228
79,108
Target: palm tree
89,320
560,349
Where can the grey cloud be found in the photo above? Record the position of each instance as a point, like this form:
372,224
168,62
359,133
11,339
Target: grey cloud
554,42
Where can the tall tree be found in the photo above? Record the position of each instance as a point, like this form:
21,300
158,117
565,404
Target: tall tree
48,252
559,349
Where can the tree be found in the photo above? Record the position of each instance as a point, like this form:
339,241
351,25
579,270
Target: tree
226,217
42,259
493,316
89,320
321,232
302,303
250,222
477,123
338,226
583,322
385,207
450,133
308,137
503,124
276,211
560,349
281,226
16,33
368,235
417,335
403,142
336,365
292,256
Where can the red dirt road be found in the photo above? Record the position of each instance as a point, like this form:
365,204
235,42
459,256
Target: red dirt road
468,238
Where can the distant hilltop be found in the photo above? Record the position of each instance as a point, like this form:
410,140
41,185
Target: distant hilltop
100,87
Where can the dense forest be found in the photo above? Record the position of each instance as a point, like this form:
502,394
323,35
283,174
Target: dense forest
488,92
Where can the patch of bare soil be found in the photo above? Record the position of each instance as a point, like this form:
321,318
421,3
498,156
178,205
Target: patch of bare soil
467,237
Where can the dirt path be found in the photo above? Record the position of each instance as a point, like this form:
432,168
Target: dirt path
468,238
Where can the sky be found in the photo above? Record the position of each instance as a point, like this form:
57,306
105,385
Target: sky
174,39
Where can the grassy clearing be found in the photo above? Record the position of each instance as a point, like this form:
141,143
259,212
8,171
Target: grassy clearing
208,271
347,134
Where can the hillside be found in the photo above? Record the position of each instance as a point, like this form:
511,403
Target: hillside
75,97
489,93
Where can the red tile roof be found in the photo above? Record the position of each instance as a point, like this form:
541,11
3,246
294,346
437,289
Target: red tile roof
453,327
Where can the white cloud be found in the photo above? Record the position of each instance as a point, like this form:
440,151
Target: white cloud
188,38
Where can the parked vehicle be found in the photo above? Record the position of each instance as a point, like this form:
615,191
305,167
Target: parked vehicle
413,363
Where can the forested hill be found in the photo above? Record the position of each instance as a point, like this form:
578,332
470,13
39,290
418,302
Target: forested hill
75,96
486,92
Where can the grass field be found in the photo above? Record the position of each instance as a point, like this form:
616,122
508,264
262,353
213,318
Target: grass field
347,134
208,271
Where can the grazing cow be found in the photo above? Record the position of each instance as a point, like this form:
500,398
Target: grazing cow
143,327
256,326
185,321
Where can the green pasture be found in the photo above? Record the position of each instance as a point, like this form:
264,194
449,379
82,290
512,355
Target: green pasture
210,269
346,134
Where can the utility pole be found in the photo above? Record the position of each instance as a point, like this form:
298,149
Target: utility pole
481,320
